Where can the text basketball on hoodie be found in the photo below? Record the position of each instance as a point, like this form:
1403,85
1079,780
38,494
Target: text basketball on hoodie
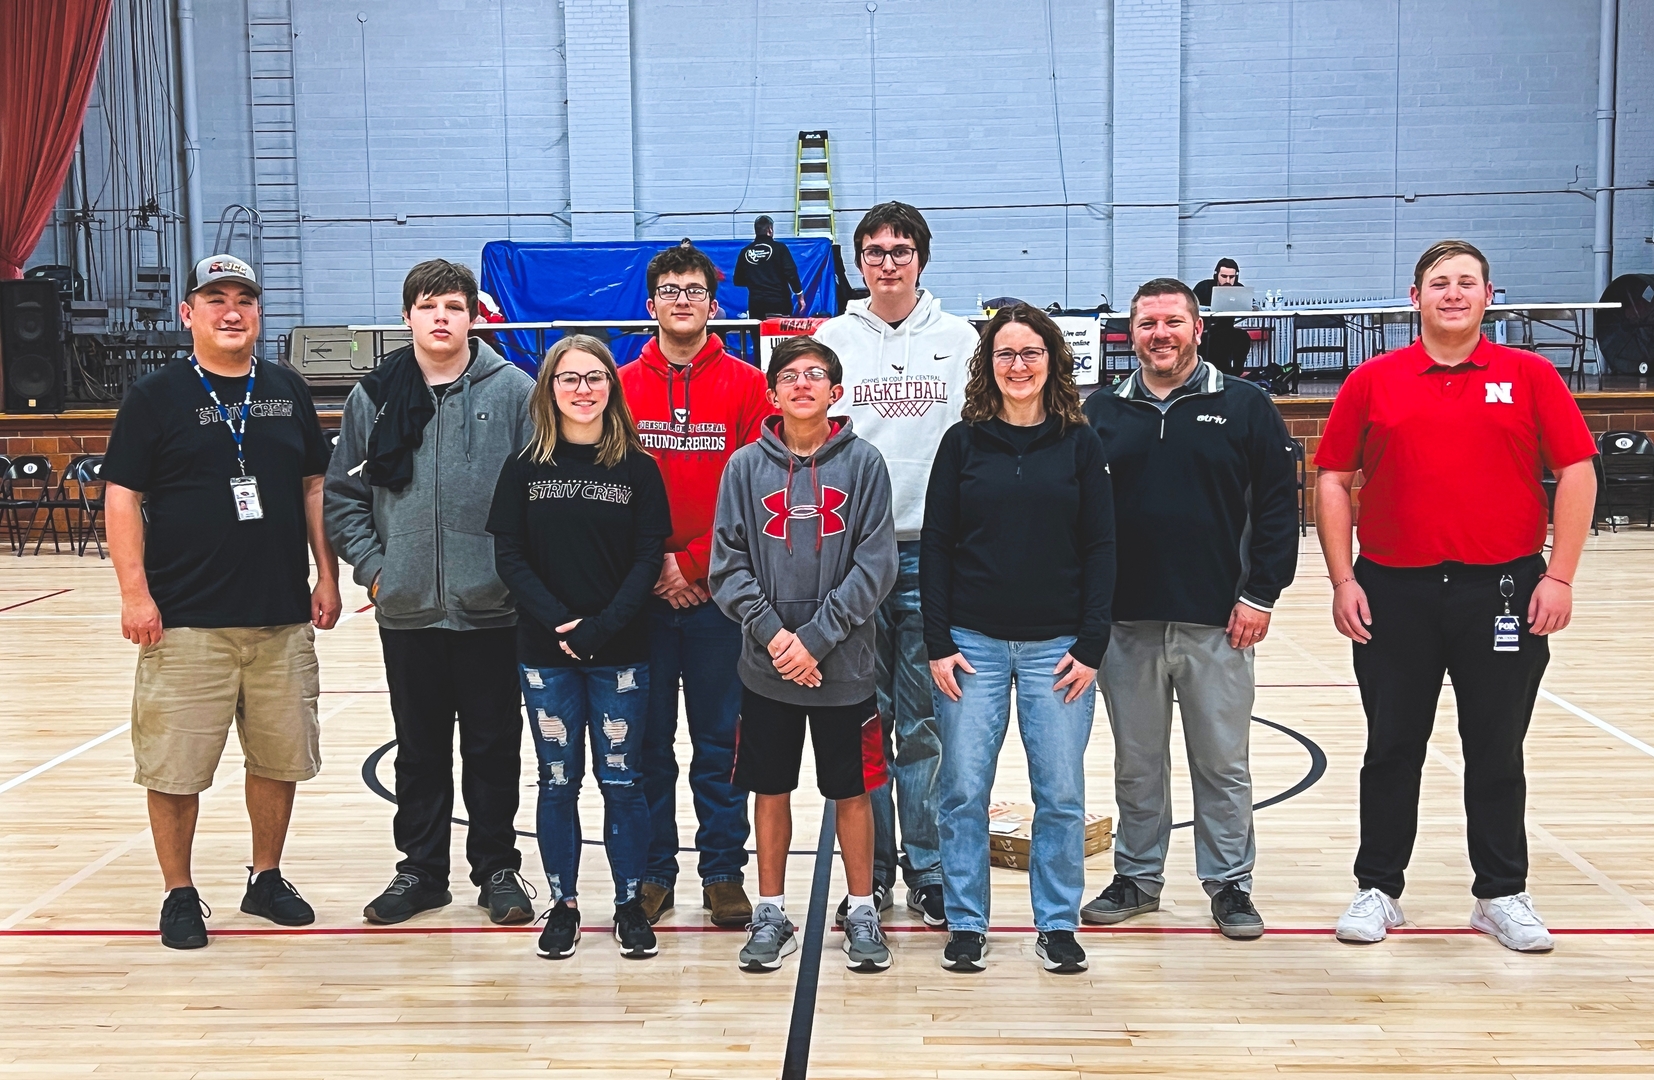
692,419
904,386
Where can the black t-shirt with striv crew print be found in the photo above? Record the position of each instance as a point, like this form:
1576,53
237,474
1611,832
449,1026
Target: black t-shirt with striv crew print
205,567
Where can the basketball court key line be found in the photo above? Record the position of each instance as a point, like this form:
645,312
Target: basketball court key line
1629,740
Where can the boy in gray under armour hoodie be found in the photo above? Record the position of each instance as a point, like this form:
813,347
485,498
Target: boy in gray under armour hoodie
803,552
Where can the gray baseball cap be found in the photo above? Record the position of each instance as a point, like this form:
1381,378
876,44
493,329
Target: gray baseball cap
216,268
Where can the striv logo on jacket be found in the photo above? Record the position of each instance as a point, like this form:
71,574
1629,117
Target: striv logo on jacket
782,514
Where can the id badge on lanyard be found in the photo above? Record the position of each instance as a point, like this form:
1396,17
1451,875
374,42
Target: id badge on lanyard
243,488
1507,628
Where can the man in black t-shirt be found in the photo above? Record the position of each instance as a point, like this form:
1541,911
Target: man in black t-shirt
222,457
765,268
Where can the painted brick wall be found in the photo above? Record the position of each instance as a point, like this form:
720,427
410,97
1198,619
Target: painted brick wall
1147,156
1634,142
599,110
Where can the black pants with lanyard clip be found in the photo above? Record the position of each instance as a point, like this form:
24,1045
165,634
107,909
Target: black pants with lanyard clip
1427,622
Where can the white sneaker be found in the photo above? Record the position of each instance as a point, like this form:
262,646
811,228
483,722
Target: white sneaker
1371,915
1513,921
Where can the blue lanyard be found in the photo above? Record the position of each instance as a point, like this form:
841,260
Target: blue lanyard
228,417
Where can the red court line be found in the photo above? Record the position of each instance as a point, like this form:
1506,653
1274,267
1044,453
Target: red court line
36,600
364,607
410,931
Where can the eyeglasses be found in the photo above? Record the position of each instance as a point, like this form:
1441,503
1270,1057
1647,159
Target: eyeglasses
670,293
1006,357
571,380
810,375
875,256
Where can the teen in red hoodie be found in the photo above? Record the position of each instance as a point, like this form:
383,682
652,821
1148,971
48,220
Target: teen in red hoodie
695,405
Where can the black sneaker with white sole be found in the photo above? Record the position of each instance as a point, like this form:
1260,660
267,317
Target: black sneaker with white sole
182,924
506,896
1119,902
965,951
882,900
271,896
1060,952
562,932
1236,917
406,896
926,902
632,930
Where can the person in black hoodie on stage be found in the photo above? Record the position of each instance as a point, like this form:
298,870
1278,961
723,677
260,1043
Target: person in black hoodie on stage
580,520
1204,486
765,268
1016,572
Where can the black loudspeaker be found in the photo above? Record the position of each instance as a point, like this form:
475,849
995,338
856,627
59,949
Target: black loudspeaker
31,346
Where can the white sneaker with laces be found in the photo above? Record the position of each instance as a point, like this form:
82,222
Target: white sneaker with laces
1370,916
1513,921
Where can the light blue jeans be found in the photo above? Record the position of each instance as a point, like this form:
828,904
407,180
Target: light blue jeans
1055,735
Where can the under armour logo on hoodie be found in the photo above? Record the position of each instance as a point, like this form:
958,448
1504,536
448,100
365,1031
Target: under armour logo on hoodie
832,500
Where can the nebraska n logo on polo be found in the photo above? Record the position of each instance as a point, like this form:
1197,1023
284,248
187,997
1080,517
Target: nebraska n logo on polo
832,500
1500,392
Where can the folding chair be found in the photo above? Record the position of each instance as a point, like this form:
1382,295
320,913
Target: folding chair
88,480
52,500
1626,481
1300,457
27,471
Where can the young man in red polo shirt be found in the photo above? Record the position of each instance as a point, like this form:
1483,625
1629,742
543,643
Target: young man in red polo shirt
1450,434
695,405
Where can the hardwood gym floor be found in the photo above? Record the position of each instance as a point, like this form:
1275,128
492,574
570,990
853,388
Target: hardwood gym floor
86,988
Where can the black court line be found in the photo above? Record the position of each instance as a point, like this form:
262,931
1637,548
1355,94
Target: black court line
796,1063
1317,768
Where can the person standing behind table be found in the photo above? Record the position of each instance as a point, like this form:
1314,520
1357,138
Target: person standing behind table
765,268
1016,578
1451,434
805,596
579,520
905,367
1222,344
224,455
695,405
421,444
1206,522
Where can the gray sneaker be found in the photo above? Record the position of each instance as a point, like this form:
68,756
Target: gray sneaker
864,947
1119,902
770,936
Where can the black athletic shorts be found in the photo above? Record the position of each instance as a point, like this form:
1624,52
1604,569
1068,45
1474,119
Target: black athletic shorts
769,746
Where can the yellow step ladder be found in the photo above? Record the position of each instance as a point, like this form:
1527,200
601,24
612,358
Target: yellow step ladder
813,208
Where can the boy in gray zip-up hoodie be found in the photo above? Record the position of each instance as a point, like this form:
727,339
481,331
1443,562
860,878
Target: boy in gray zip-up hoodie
406,499
803,552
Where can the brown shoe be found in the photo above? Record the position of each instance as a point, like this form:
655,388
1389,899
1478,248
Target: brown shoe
728,903
657,901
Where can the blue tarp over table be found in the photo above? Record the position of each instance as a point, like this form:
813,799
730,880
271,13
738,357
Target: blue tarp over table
547,282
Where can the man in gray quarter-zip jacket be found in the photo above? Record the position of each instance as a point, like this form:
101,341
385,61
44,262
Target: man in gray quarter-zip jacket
423,440
1206,536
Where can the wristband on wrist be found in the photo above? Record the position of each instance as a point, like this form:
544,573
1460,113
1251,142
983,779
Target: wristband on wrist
1343,581
1558,580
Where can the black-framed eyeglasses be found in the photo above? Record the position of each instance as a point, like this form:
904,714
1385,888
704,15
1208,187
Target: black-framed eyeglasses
571,380
900,256
1030,356
810,375
670,293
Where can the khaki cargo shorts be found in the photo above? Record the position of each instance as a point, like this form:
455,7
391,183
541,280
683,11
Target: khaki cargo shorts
194,682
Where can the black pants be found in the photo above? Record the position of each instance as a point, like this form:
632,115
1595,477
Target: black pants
436,676
1428,621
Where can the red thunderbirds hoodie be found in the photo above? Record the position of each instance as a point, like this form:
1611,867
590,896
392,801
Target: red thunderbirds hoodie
692,419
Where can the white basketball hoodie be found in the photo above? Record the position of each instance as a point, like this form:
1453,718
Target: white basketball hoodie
903,387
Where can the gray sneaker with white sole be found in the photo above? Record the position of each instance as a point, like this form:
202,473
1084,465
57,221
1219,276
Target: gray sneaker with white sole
770,937
864,946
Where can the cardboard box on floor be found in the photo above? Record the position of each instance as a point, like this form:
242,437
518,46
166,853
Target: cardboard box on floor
1011,831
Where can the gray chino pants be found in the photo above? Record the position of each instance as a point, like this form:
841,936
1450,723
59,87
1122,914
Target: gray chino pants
1145,663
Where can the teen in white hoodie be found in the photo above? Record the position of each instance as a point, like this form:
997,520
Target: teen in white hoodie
905,363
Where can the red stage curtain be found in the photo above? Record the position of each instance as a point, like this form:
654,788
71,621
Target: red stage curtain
49,51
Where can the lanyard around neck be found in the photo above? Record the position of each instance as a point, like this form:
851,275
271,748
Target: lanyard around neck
237,431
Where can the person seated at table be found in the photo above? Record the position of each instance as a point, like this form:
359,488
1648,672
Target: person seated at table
1223,345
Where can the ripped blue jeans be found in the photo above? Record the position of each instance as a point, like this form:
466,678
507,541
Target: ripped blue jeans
564,703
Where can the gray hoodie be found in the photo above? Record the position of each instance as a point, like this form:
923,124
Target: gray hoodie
427,543
809,546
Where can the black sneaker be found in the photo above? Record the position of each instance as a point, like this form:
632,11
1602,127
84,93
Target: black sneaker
926,902
562,932
965,950
1119,902
632,930
182,926
1061,954
406,896
882,900
506,896
1235,915
271,896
